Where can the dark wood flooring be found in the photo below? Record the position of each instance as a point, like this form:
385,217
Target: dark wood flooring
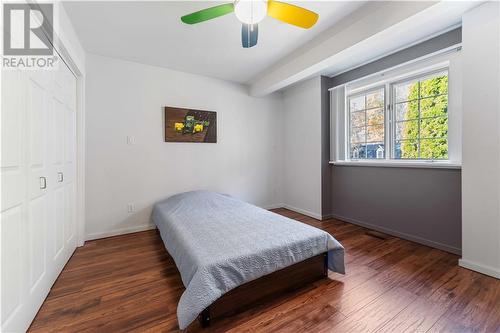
130,283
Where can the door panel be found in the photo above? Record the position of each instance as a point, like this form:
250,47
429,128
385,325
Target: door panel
12,243
37,118
12,117
70,216
70,133
58,196
37,219
57,139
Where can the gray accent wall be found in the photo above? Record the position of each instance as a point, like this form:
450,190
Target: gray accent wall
443,41
326,175
422,205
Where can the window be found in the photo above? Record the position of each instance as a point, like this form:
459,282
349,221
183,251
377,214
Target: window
366,113
401,116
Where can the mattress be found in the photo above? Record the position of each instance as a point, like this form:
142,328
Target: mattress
219,243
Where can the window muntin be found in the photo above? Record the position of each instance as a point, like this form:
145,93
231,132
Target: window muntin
421,118
367,124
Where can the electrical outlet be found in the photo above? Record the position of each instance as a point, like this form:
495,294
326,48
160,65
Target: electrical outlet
131,140
130,208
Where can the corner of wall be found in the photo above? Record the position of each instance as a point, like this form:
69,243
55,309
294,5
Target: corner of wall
326,177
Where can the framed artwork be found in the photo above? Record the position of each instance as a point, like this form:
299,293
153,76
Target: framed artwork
189,125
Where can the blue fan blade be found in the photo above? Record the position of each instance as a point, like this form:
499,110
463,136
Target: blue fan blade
249,34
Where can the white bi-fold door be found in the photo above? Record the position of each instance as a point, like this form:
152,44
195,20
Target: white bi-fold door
38,180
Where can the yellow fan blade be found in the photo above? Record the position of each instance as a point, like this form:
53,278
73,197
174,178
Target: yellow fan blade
291,14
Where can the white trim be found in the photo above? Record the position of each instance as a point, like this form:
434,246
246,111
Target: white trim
303,211
275,206
145,227
118,232
400,164
80,164
416,239
491,271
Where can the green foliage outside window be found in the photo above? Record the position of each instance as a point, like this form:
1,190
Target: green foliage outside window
429,127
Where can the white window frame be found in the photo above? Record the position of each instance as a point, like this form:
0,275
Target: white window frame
448,60
348,119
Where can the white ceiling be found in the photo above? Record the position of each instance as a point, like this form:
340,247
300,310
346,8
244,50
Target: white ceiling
152,33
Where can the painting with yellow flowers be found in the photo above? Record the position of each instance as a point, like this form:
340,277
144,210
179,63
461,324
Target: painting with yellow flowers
188,125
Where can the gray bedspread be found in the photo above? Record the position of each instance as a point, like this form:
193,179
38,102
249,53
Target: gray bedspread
219,243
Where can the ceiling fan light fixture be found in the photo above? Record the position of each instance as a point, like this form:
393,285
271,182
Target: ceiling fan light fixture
250,11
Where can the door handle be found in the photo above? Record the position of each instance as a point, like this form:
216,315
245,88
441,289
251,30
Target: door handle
60,177
43,183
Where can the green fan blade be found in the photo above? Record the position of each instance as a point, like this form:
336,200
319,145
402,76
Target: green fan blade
208,14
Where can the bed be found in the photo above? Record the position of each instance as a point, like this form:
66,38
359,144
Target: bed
230,253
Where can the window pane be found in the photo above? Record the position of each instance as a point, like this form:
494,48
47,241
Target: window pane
406,149
358,151
357,118
357,134
406,91
434,106
434,127
432,86
434,149
375,133
375,116
375,99
357,103
366,115
407,111
375,150
407,130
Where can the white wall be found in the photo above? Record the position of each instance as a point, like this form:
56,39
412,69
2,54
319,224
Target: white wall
481,140
302,147
65,34
127,99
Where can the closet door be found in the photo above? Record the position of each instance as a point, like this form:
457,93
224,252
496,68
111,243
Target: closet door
38,191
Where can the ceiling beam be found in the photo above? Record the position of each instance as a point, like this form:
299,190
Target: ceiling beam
374,30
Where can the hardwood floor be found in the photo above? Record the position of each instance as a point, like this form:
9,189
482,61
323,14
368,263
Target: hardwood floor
130,283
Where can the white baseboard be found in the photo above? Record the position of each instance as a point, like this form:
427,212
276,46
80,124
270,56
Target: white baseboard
118,232
275,206
402,235
303,211
491,271
297,210
144,227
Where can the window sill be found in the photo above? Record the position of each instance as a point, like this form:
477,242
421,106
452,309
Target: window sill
401,164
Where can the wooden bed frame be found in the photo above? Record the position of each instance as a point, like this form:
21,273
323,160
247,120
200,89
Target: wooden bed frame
246,295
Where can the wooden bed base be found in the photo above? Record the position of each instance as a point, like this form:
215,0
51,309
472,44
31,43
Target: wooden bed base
248,294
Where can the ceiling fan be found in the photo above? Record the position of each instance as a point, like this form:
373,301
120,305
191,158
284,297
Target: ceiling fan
251,12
